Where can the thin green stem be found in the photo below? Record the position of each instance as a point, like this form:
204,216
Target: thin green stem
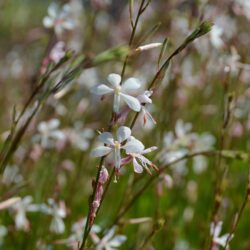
134,27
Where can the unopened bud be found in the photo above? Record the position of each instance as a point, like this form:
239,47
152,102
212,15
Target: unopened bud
104,175
148,47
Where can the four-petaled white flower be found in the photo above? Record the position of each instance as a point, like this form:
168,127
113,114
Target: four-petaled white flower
112,145
20,208
59,19
48,133
215,230
58,213
120,91
79,136
110,241
136,150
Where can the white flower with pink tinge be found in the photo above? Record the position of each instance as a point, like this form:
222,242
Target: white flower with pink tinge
112,145
120,91
135,151
58,19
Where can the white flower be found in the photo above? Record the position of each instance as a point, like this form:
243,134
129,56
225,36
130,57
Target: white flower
112,145
120,91
20,208
110,241
59,19
80,136
58,212
136,150
215,230
48,133
145,99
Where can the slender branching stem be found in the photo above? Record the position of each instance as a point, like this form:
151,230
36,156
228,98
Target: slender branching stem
88,226
131,40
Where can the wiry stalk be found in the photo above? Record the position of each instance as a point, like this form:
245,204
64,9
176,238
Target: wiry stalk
88,226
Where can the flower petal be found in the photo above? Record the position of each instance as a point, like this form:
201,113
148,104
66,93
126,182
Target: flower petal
42,127
100,151
137,167
53,124
132,102
222,240
53,10
114,79
106,138
148,150
131,84
48,22
123,133
101,90
217,229
117,241
58,135
133,146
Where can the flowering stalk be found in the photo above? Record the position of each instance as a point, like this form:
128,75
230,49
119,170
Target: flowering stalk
88,226
201,30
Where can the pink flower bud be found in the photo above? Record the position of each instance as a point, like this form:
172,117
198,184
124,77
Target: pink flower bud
104,175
